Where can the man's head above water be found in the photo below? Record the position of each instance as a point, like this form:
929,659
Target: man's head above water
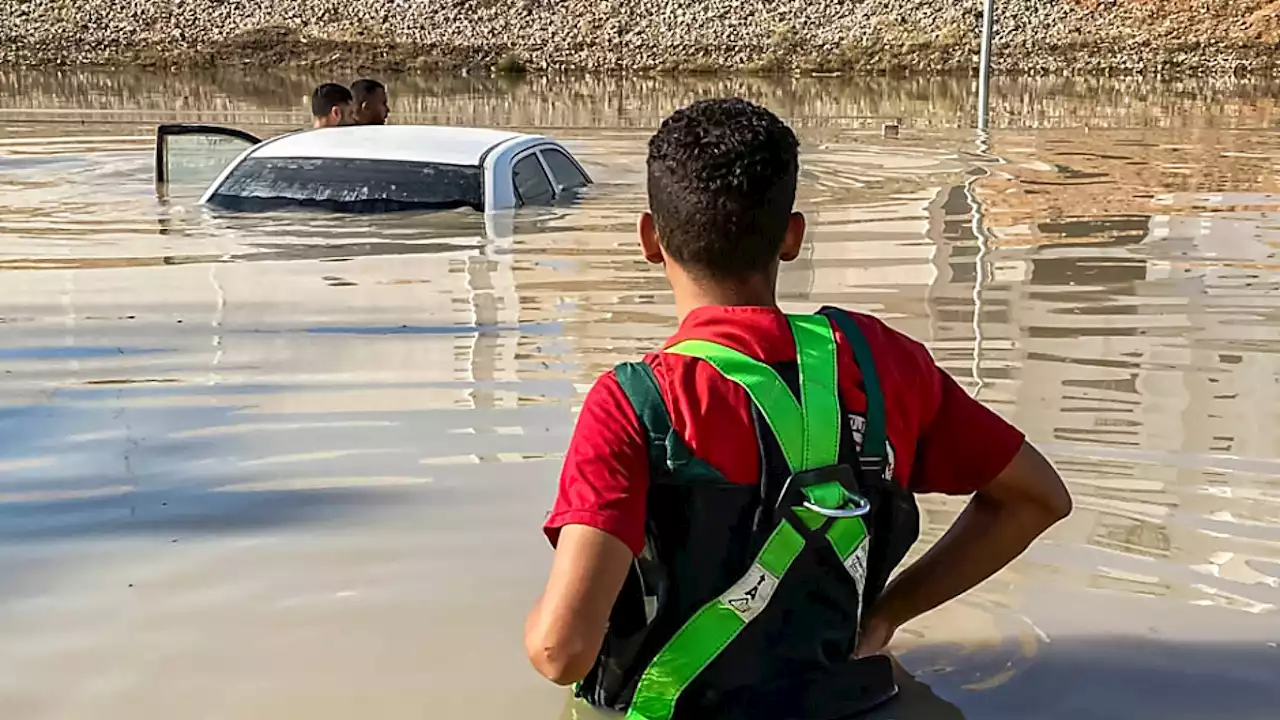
330,106
370,102
722,188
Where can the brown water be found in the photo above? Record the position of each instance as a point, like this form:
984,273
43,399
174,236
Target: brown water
294,465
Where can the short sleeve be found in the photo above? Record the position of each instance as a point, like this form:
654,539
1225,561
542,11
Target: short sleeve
964,445
605,478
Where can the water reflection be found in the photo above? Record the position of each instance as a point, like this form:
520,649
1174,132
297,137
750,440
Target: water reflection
251,99
290,463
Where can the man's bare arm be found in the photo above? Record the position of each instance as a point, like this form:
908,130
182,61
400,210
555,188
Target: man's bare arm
999,523
563,633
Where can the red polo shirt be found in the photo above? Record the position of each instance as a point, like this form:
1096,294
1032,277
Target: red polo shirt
941,440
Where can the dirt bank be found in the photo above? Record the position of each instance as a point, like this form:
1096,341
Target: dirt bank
1187,37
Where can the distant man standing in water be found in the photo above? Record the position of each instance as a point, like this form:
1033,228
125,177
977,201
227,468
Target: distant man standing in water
330,106
370,102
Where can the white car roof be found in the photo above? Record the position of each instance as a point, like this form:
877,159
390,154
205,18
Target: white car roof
404,143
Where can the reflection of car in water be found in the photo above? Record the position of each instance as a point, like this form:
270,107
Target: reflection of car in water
371,168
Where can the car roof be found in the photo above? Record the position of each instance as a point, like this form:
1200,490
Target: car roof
404,143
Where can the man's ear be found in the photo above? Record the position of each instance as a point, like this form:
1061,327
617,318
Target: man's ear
794,239
649,243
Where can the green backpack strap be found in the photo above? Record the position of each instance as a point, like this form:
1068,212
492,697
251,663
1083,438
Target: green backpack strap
668,453
874,453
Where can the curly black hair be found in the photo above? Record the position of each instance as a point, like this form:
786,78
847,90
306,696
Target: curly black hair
722,185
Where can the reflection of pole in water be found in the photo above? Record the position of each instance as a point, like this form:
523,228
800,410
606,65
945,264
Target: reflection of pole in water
978,220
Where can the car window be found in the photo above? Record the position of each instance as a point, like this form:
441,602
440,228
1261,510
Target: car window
564,170
531,181
351,185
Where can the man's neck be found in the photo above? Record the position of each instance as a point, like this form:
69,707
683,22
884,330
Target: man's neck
691,294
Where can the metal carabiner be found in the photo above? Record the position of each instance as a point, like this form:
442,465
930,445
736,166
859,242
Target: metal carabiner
862,507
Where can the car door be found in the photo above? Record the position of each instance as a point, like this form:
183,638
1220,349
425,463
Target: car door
192,156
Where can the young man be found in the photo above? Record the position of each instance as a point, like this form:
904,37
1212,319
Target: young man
370,102
330,106
731,508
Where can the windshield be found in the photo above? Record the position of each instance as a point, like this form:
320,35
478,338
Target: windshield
349,185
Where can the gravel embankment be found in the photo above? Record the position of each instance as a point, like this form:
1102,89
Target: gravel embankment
1035,36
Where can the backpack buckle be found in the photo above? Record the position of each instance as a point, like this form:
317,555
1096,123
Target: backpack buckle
832,499
874,465
861,506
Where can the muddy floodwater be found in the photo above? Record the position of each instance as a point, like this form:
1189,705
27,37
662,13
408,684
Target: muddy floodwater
294,465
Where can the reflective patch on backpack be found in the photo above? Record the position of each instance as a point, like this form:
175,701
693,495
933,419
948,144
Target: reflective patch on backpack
856,564
749,596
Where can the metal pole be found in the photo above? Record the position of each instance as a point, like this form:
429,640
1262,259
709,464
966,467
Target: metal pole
984,62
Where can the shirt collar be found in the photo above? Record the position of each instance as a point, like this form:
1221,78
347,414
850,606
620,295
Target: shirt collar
759,332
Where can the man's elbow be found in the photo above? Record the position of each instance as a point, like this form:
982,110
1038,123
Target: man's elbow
1054,504
1032,490
560,665
1061,505
1055,501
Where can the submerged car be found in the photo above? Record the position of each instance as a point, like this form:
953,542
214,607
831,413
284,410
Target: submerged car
378,168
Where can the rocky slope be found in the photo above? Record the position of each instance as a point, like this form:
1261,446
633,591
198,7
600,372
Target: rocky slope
1034,36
